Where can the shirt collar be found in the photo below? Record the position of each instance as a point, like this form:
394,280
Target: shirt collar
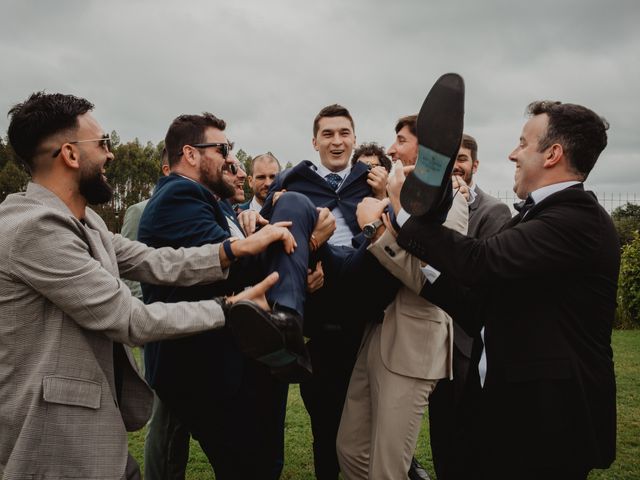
324,171
542,193
254,205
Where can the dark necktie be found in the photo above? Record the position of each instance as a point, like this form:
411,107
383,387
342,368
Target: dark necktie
524,206
334,180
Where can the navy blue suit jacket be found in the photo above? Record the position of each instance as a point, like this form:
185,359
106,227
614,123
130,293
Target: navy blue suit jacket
183,213
304,179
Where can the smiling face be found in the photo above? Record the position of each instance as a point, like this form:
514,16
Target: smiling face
405,148
465,166
212,164
94,157
529,161
334,142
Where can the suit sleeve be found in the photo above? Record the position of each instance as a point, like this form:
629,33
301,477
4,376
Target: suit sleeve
56,262
557,239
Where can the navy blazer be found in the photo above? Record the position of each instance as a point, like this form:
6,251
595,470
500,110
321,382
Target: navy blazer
544,288
303,178
183,213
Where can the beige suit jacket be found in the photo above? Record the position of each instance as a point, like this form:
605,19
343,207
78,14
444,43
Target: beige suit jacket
64,317
417,337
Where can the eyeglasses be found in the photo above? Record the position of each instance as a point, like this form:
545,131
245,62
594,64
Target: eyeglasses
225,148
104,142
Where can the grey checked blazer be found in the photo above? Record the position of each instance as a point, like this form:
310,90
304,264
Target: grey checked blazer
487,215
69,389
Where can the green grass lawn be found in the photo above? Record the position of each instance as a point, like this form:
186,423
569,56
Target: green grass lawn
299,458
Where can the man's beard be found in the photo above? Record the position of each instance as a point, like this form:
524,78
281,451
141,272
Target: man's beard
217,185
95,189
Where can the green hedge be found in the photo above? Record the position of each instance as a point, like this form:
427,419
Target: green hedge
628,314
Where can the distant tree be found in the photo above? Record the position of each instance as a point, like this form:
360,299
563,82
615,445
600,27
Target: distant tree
13,178
626,219
288,165
245,160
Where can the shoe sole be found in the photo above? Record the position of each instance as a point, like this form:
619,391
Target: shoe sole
439,128
257,337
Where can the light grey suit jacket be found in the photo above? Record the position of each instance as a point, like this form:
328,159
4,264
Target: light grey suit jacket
416,338
129,230
69,390
487,215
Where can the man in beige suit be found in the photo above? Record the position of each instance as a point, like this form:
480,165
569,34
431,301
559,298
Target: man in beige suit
69,390
399,362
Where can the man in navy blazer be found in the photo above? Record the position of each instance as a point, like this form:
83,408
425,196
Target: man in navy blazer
544,288
205,379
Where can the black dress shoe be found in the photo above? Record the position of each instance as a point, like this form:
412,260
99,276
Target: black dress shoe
272,338
417,471
427,190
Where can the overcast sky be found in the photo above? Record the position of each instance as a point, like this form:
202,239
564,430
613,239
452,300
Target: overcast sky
267,67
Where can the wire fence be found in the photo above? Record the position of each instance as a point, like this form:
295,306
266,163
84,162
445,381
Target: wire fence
609,200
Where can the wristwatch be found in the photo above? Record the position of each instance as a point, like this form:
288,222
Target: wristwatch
370,229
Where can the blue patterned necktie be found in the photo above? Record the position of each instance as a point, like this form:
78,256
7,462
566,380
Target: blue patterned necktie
334,180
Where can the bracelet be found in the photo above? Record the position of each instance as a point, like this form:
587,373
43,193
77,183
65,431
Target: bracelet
226,246
313,243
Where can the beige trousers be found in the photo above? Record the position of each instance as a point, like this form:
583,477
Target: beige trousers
381,417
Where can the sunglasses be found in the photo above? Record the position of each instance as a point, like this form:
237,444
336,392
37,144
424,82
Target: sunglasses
232,168
104,142
225,148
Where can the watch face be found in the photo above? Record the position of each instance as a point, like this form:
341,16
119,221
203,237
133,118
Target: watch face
369,231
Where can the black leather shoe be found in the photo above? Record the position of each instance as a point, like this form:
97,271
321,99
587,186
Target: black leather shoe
417,471
427,190
272,338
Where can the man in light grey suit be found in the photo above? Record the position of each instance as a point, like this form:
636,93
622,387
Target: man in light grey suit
69,390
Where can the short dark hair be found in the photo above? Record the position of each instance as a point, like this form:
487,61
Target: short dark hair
581,132
334,110
409,121
269,156
38,118
469,142
372,149
189,130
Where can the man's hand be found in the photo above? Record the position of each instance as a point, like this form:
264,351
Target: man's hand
396,180
249,219
259,241
276,196
370,209
315,278
377,180
459,184
325,225
256,293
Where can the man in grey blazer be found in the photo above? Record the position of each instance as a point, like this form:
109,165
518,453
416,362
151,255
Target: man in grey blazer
69,389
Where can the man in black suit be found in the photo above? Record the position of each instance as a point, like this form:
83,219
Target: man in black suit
452,401
544,288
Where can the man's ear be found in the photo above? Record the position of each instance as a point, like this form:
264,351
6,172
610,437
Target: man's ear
314,143
553,155
189,154
474,167
70,156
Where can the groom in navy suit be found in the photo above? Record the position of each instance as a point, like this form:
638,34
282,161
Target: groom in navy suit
336,314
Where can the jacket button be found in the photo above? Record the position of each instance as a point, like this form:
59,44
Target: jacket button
390,251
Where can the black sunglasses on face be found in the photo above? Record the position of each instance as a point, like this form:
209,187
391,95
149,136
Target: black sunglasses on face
225,148
104,142
232,168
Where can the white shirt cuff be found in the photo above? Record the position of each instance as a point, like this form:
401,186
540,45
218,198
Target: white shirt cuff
402,217
430,273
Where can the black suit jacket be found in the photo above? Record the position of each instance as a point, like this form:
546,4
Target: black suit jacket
545,290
